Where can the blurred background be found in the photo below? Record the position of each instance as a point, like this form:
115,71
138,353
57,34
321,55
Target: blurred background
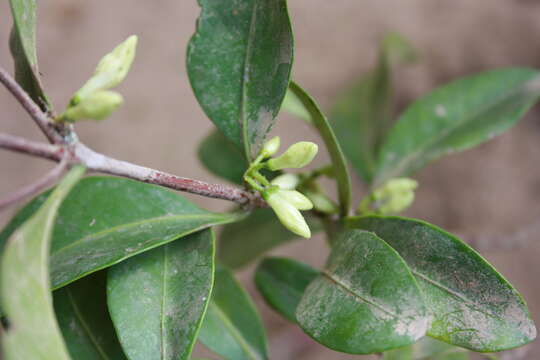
489,195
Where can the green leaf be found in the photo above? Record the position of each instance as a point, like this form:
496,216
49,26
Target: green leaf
25,289
221,158
427,349
232,327
239,63
362,114
81,308
158,299
472,304
336,155
259,233
22,43
456,117
293,105
282,282
365,301
106,220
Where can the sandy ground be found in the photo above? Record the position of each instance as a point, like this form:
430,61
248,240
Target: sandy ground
491,192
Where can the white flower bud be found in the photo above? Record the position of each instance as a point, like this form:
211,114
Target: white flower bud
296,156
97,106
287,214
394,196
271,146
286,181
297,199
111,70
321,202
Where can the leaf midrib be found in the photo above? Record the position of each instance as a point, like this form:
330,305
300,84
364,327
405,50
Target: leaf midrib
130,225
248,349
398,170
368,301
85,326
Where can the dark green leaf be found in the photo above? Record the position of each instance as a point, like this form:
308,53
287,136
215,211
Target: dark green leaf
473,306
106,220
239,63
25,288
232,327
282,282
22,43
365,301
81,308
362,114
260,232
338,160
456,117
221,158
158,299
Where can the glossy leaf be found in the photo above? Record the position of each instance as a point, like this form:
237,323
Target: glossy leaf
106,220
25,287
472,304
456,117
282,282
232,327
365,301
158,299
239,63
336,155
259,233
81,308
221,158
362,114
22,43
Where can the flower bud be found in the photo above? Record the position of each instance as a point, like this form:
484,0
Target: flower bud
321,202
286,181
287,214
98,106
111,70
271,147
297,199
296,156
394,196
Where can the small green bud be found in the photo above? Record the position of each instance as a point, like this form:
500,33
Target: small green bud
97,106
297,156
394,196
111,70
321,202
271,147
297,199
286,181
287,213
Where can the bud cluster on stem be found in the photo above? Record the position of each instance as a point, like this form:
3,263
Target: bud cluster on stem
280,194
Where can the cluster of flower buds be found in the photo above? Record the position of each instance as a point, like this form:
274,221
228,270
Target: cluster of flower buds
94,100
395,196
280,194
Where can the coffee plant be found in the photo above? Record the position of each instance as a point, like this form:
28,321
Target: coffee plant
121,267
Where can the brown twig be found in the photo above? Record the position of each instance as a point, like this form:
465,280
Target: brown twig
46,181
39,117
24,146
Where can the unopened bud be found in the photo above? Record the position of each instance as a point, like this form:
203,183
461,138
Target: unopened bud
97,106
287,214
286,181
296,156
297,199
395,196
111,70
271,146
321,202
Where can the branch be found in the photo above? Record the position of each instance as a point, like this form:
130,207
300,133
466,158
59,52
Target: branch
78,153
39,117
48,180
